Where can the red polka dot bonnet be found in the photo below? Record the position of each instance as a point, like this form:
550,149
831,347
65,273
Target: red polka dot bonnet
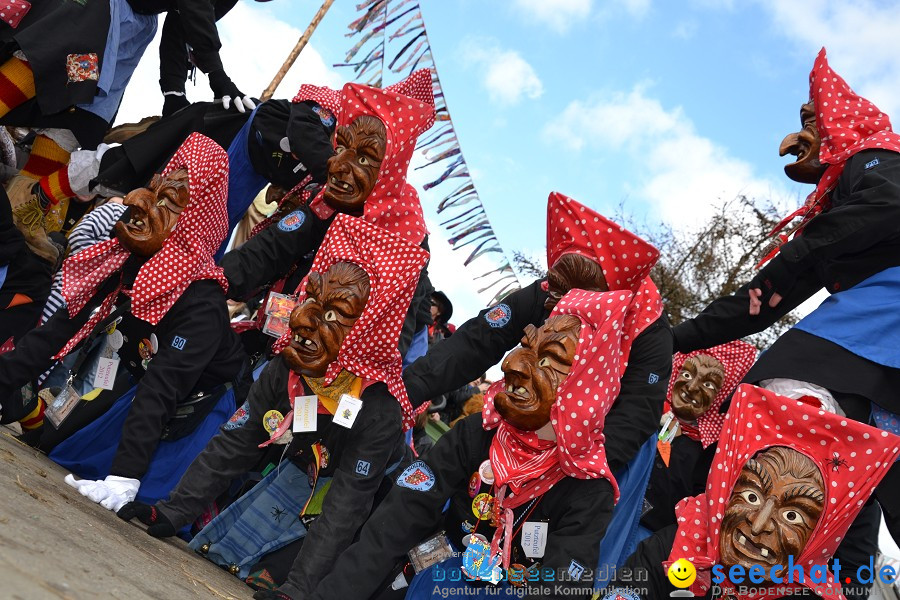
847,124
625,258
407,110
737,357
186,255
852,458
393,265
530,466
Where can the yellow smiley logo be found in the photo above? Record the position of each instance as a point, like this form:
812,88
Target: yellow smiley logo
682,573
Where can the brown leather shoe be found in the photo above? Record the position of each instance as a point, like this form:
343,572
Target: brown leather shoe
28,217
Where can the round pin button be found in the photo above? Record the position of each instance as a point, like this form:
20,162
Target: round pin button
116,339
154,343
486,472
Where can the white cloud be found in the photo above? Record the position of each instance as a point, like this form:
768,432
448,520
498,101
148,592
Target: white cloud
505,75
862,38
685,30
681,173
559,15
251,65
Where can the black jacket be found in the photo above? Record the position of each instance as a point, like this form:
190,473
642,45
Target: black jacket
478,344
685,476
197,352
577,511
856,238
375,442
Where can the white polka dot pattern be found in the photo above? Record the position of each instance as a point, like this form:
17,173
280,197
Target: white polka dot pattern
185,257
393,265
530,466
407,110
13,11
847,124
625,258
737,357
325,96
851,456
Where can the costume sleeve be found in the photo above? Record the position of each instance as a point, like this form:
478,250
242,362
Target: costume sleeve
643,569
865,211
477,345
573,545
375,438
305,124
635,413
188,337
231,452
406,516
197,20
269,255
412,323
728,318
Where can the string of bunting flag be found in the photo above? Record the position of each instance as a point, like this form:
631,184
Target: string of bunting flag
384,26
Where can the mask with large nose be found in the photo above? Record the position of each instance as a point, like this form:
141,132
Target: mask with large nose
153,213
533,372
335,300
805,146
773,509
353,170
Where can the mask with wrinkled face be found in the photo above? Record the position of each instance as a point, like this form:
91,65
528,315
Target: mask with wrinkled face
154,212
534,372
353,170
773,509
335,300
697,386
573,271
805,146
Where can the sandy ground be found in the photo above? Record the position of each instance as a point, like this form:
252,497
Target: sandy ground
55,544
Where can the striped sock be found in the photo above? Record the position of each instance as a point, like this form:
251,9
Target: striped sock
55,187
35,418
16,84
46,158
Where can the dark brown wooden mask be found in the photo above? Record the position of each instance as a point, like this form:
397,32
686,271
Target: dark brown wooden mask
699,382
154,212
805,146
353,170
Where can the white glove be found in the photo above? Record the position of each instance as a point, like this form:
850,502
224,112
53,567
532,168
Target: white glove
112,493
240,103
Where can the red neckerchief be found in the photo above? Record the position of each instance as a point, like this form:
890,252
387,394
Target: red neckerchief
847,124
185,257
393,265
736,357
851,456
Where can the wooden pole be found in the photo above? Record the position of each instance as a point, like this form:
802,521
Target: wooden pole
301,43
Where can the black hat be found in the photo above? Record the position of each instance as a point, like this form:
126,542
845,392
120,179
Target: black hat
447,311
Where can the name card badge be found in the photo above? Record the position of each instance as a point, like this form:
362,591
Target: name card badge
106,373
534,538
305,413
347,409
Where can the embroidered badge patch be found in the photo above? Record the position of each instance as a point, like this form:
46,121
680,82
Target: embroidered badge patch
324,115
292,221
653,378
417,476
498,316
82,67
271,421
871,164
178,342
362,468
239,417
620,594
575,570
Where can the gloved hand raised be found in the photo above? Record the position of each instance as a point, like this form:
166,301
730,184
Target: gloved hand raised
224,89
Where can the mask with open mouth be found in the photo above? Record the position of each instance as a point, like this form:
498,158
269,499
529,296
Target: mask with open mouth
699,382
153,211
335,300
774,507
805,146
534,372
353,170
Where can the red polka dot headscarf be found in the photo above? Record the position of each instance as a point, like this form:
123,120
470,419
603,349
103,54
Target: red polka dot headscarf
186,255
393,265
847,124
626,259
407,111
852,458
736,357
528,466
